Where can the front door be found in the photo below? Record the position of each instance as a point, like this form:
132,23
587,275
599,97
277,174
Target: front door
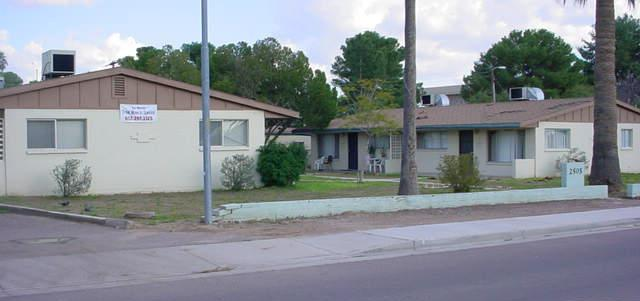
466,142
353,151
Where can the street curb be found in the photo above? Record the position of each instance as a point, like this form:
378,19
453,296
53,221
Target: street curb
506,236
102,221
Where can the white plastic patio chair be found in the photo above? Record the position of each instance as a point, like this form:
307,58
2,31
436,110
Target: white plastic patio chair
317,164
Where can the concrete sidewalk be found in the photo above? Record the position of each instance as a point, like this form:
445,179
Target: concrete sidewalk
22,276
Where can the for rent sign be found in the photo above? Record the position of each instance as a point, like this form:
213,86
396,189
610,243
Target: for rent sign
138,113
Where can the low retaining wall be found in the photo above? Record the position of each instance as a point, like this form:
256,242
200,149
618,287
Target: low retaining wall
317,208
633,190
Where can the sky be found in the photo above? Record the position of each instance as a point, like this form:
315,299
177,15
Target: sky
451,34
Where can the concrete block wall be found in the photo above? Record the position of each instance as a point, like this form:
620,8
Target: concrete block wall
328,207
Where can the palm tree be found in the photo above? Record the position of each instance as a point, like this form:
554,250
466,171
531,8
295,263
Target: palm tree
605,166
409,168
3,61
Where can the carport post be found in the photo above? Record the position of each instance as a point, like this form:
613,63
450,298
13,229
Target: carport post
206,124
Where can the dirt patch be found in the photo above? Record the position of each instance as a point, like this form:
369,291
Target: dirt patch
226,232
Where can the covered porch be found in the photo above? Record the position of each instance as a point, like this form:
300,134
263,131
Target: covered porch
501,151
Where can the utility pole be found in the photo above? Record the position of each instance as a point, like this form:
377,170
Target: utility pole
206,123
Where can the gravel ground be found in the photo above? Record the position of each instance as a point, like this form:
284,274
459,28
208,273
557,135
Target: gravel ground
363,221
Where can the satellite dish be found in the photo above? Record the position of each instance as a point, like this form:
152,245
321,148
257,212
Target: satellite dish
536,94
442,100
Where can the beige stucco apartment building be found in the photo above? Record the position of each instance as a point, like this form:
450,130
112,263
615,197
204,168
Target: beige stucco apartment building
93,117
519,139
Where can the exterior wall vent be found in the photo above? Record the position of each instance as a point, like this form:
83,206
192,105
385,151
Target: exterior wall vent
119,88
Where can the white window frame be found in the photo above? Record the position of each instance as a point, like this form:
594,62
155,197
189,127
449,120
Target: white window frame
630,146
547,148
55,148
227,147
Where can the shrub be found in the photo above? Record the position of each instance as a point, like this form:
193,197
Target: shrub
461,172
281,165
574,155
238,172
299,155
69,179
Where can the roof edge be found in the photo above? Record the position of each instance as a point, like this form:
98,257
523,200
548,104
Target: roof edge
147,77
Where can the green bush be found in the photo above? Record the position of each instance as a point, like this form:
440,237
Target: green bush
461,172
281,165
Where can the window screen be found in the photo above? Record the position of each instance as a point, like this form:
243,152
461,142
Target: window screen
433,140
557,139
235,133
228,133
41,134
327,145
71,134
505,146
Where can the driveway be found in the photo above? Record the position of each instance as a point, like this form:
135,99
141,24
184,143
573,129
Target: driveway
31,236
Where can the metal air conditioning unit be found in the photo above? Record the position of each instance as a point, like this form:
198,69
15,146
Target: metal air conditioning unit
58,63
431,100
525,93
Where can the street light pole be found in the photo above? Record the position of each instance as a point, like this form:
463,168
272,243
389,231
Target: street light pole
493,81
206,124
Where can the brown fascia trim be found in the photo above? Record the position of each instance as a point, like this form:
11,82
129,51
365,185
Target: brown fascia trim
151,78
534,121
629,107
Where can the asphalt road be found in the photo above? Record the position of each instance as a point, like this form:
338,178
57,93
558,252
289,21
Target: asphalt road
598,267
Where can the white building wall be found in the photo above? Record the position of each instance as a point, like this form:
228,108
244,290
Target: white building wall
3,182
581,137
428,160
124,157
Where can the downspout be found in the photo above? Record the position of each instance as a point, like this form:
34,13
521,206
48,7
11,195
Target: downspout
4,152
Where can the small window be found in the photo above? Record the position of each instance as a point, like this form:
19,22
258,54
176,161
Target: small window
329,145
557,138
626,138
433,140
235,133
379,142
56,134
228,133
506,146
396,147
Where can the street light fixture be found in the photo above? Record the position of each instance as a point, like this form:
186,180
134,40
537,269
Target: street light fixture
493,81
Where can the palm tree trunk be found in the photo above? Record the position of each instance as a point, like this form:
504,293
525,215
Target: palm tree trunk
409,168
605,168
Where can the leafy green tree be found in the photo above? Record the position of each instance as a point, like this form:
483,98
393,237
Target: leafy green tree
369,112
266,71
536,58
370,56
372,89
627,58
319,106
166,62
11,79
